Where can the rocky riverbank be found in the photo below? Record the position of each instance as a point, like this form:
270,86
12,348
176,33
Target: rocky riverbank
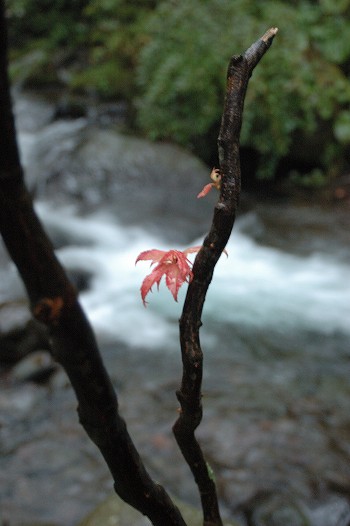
276,390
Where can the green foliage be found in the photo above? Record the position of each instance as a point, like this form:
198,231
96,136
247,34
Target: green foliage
92,44
314,179
342,127
115,40
47,23
301,82
169,58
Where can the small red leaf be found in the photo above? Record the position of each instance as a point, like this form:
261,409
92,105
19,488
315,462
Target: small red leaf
205,190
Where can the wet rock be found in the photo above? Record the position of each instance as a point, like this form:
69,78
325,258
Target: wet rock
107,114
69,109
32,112
80,278
19,342
17,403
59,380
18,406
19,333
14,314
326,223
335,511
115,512
37,367
50,153
88,166
277,510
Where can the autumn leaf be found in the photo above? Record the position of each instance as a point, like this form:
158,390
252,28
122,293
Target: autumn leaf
173,264
205,190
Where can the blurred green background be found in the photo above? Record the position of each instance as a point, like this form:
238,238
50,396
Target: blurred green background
167,60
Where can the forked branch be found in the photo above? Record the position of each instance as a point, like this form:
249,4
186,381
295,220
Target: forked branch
239,71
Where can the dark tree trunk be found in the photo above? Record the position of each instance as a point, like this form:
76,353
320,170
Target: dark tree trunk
54,302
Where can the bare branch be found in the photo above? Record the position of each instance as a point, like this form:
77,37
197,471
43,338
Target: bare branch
239,71
54,302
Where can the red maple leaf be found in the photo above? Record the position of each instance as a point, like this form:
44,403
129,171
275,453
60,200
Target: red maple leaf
205,190
174,264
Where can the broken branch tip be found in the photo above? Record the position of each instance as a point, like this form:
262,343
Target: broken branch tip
269,34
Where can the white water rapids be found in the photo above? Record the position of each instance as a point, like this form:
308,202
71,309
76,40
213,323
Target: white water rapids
255,285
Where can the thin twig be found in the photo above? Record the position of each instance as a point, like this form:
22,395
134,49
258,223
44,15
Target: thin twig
189,395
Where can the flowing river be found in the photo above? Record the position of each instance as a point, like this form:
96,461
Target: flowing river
276,331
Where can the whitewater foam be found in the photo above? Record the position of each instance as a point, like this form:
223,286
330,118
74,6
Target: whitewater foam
256,285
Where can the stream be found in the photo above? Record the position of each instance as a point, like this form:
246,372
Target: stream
276,330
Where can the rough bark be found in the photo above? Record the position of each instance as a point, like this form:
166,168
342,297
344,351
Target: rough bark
189,395
54,302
